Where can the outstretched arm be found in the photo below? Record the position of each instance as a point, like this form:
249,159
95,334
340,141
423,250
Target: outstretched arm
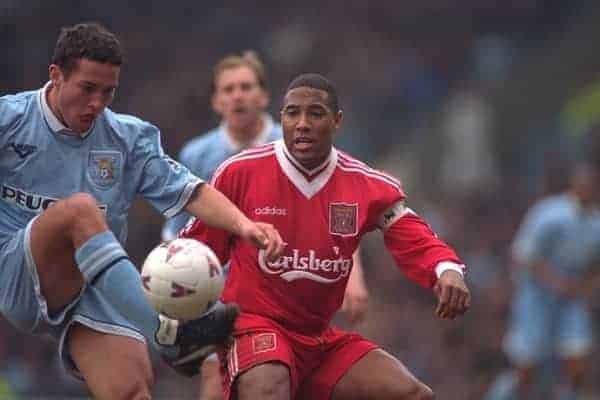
426,259
215,210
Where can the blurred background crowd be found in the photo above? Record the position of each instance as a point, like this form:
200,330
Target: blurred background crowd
476,105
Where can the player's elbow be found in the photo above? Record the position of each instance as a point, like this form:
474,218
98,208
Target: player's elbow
420,392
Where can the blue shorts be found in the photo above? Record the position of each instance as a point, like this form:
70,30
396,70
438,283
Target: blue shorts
21,299
543,324
24,306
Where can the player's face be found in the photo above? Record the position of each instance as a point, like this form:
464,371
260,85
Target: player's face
308,125
239,99
80,97
585,185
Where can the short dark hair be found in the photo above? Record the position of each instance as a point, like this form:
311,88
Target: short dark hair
319,82
86,40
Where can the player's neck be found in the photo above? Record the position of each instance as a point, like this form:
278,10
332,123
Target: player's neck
584,204
52,101
247,134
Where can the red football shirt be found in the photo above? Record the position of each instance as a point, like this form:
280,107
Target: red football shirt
321,215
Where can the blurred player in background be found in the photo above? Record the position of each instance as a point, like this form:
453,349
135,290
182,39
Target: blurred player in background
557,254
240,97
69,171
322,201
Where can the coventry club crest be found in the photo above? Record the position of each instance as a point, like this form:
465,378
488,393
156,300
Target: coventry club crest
104,167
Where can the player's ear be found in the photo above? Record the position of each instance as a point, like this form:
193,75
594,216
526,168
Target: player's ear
55,74
337,119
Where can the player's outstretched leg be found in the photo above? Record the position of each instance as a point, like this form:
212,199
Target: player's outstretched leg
71,243
393,381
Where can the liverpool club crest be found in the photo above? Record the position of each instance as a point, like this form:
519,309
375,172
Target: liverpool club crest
104,167
343,219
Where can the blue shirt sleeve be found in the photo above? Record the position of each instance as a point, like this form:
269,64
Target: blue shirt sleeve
189,156
11,112
165,183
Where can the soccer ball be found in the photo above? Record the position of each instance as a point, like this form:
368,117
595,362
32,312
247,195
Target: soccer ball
182,279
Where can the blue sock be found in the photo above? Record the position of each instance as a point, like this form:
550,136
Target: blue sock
98,253
105,265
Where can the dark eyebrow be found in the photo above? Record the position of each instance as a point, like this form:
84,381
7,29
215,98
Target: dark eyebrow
90,83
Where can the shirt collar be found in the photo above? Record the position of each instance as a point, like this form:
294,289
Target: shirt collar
308,182
261,138
53,122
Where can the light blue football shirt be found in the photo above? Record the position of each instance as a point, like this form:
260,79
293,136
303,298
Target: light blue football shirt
119,157
203,155
557,230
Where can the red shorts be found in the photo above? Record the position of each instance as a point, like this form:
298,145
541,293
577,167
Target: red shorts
316,363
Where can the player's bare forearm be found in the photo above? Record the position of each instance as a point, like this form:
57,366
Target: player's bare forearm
214,209
356,296
454,298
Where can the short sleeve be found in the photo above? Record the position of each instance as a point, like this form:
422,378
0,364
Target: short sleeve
11,112
165,183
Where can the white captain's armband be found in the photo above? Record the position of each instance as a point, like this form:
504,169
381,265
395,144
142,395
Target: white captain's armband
449,265
393,214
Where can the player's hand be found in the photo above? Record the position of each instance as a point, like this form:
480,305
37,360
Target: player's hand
264,236
454,298
569,288
356,300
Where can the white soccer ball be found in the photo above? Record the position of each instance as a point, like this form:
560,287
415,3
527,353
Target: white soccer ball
182,279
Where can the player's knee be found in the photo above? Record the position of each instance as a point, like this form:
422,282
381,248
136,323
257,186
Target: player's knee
82,210
81,204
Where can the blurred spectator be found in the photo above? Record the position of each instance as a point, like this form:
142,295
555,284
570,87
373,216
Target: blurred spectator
557,258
